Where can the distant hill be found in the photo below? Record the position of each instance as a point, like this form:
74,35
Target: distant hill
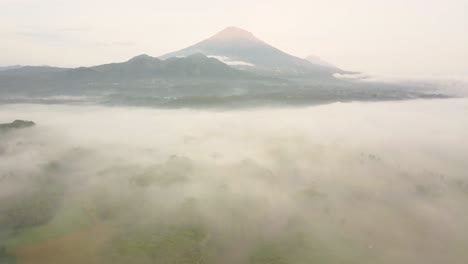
192,75
27,70
241,49
194,66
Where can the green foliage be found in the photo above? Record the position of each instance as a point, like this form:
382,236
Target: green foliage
16,125
109,204
174,244
34,207
292,247
6,258
69,218
269,254
174,170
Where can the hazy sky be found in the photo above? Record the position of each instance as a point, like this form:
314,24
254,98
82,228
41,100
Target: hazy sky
403,37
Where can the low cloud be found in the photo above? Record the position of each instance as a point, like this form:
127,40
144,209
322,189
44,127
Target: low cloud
339,183
453,85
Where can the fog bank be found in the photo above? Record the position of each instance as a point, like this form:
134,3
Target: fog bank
378,182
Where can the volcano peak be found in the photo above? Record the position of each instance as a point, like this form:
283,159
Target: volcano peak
233,33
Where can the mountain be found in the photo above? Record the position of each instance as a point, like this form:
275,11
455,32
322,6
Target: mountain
241,49
232,68
318,61
11,67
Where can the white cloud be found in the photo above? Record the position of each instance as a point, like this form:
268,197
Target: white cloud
230,61
386,179
453,85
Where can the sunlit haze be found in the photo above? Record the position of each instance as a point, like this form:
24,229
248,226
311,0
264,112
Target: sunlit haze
233,132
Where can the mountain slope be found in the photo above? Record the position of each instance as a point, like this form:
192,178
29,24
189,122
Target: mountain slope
318,61
11,67
241,49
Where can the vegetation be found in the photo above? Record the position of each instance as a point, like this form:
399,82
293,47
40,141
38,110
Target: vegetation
33,207
16,124
6,258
